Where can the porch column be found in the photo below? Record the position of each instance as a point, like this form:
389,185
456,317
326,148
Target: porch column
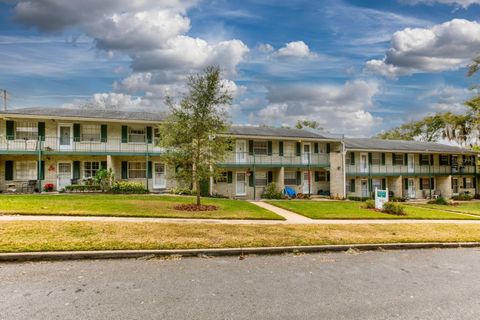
280,179
111,164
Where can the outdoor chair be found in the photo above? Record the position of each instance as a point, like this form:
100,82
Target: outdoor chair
29,186
437,194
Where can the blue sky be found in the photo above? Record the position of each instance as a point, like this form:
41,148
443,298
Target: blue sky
357,67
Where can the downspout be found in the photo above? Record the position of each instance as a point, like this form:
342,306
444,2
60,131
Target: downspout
254,172
344,173
146,165
39,165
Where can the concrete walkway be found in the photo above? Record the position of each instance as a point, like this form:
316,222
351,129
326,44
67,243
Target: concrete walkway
290,216
229,221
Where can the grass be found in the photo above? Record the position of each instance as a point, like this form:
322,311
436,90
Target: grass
62,236
356,210
128,206
463,207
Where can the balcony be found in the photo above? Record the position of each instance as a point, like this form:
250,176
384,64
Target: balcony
244,159
403,170
55,145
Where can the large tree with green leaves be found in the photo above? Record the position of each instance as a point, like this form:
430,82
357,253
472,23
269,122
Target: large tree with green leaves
193,133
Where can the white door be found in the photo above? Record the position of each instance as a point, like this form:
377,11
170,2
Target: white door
306,183
159,180
241,189
411,163
65,135
411,188
240,151
64,174
364,189
306,153
363,162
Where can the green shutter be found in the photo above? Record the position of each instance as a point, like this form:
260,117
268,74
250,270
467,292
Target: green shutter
270,176
369,158
269,148
9,170
124,169
393,159
124,134
76,132
229,177
405,159
384,184
41,170
405,184
383,159
315,147
41,131
76,170
328,147
328,175
317,176
299,178
10,127
280,148
149,135
421,184
250,180
432,162
103,165
149,170
104,133
250,147
464,182
352,185
420,159
352,158
432,183
298,149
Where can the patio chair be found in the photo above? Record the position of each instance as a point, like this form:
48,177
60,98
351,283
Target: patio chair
29,186
437,194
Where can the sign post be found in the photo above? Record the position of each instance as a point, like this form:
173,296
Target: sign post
381,196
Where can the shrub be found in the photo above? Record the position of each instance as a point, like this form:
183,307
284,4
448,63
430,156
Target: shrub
104,178
394,208
358,198
398,199
182,191
370,204
128,187
82,188
48,187
440,201
463,197
271,192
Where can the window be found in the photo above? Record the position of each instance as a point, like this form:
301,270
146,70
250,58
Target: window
469,160
260,147
424,159
444,160
156,135
260,178
398,159
376,158
376,183
322,176
290,178
136,170
222,177
322,148
425,183
25,170
454,161
91,132
348,185
26,130
348,158
136,134
90,168
468,183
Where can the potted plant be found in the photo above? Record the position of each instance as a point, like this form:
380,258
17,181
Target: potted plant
48,187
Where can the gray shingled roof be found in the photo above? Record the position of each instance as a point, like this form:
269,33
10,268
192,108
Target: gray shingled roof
87,113
400,145
274,132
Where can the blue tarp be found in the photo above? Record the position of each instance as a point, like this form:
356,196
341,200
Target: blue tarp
289,192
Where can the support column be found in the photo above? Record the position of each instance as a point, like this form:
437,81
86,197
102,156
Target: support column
444,185
281,179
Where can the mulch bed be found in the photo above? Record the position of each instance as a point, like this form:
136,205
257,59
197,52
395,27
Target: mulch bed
194,207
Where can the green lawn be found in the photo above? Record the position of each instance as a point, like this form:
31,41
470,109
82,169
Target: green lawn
462,207
128,206
60,236
356,210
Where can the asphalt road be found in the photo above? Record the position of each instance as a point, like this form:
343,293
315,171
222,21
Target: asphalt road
419,284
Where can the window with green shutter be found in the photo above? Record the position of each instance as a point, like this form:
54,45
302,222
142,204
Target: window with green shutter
229,177
8,170
76,132
124,134
41,131
103,133
250,147
149,135
383,159
10,129
269,148
298,149
280,148
352,185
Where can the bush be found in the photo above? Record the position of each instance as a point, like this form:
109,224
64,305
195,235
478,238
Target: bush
440,201
82,188
394,208
48,187
271,192
128,187
463,197
182,191
476,196
370,204
104,178
398,199
358,198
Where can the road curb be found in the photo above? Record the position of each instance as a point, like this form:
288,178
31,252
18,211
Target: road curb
135,254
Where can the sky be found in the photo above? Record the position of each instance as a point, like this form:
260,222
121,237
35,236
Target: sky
356,67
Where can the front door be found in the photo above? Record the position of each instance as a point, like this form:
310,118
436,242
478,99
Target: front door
306,153
64,174
364,188
363,162
65,135
241,188
411,188
411,165
306,183
455,185
240,151
159,181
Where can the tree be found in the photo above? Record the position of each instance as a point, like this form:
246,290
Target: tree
308,124
428,129
193,133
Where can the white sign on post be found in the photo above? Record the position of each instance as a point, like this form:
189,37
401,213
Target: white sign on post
381,196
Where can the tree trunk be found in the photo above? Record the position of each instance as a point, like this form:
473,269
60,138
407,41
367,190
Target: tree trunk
197,184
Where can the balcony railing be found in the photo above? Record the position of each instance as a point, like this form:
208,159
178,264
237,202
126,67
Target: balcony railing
68,145
365,170
285,159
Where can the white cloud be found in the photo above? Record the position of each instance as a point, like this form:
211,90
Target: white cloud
265,48
339,109
459,3
294,49
447,46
